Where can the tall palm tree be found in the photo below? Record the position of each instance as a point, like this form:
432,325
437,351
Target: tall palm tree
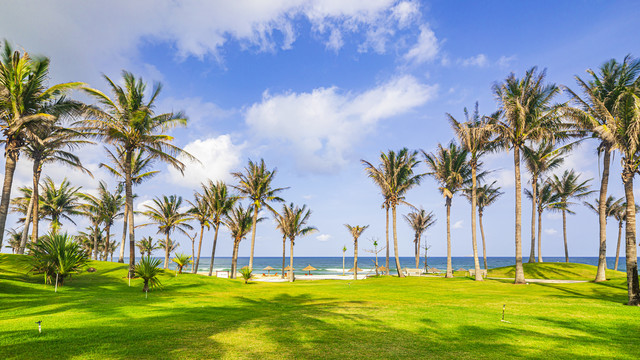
486,195
569,186
395,176
140,164
355,231
344,250
14,240
25,103
128,120
168,245
91,208
59,202
220,202
620,214
596,110
526,114
239,222
381,177
295,221
420,221
450,168
546,198
476,136
165,212
282,226
200,212
111,204
612,207
539,159
255,183
146,245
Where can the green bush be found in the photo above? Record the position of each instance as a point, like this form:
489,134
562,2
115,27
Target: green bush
148,269
246,274
182,260
56,254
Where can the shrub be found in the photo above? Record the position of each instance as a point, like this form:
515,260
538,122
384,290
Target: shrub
148,269
182,260
56,254
246,274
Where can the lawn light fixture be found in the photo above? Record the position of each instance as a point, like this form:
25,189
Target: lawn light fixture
39,326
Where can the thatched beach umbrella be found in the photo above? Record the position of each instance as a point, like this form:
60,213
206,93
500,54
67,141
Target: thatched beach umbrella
351,270
268,268
462,269
309,269
288,268
244,267
382,268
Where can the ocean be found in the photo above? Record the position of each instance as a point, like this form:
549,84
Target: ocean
333,265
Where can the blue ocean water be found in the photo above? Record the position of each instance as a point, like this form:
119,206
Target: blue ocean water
333,265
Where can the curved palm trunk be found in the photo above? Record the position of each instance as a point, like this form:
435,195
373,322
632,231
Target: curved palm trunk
213,250
129,201
11,159
253,236
416,245
519,278
25,230
564,233
124,235
292,276
474,241
539,236
484,247
166,253
234,259
95,241
449,273
197,263
284,245
633,287
615,267
36,205
355,259
106,247
395,242
387,235
534,201
602,217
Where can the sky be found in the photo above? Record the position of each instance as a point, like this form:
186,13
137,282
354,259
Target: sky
313,87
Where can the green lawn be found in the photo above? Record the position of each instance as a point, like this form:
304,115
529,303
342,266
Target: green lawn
555,271
97,316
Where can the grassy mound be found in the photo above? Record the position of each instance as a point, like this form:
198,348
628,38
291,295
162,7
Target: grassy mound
98,316
555,271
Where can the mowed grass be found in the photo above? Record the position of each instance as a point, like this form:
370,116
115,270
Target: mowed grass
97,316
555,271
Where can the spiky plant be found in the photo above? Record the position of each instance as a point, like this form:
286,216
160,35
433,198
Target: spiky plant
246,274
56,255
148,270
181,261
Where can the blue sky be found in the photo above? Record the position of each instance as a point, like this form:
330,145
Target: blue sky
314,86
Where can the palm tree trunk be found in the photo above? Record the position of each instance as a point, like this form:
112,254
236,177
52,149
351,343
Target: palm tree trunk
395,243
25,230
36,205
615,267
166,252
539,236
234,259
387,234
95,242
343,263
195,267
355,259
519,278
213,250
534,201
124,235
417,249
253,236
449,273
106,246
602,217
284,245
484,247
11,159
292,276
474,202
633,287
129,200
564,233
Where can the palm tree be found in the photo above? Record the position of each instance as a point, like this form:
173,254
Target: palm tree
14,240
355,231
546,198
255,184
344,250
420,221
239,221
526,114
111,249
59,202
111,205
49,142
148,270
486,195
395,177
612,207
146,245
595,111
568,187
91,208
220,202
381,177
295,221
540,159
139,173
165,212
620,214
169,245
282,226
450,168
476,136
25,102
128,121
201,212
181,261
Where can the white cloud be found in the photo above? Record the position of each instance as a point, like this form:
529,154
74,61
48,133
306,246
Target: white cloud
406,12
506,61
321,126
458,224
550,231
503,178
479,60
426,48
217,158
323,237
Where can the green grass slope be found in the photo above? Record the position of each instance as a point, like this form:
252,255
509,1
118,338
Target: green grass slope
555,271
98,316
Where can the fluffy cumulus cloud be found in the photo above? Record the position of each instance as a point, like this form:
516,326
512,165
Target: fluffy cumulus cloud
426,48
323,237
217,157
458,224
550,231
322,125
479,60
